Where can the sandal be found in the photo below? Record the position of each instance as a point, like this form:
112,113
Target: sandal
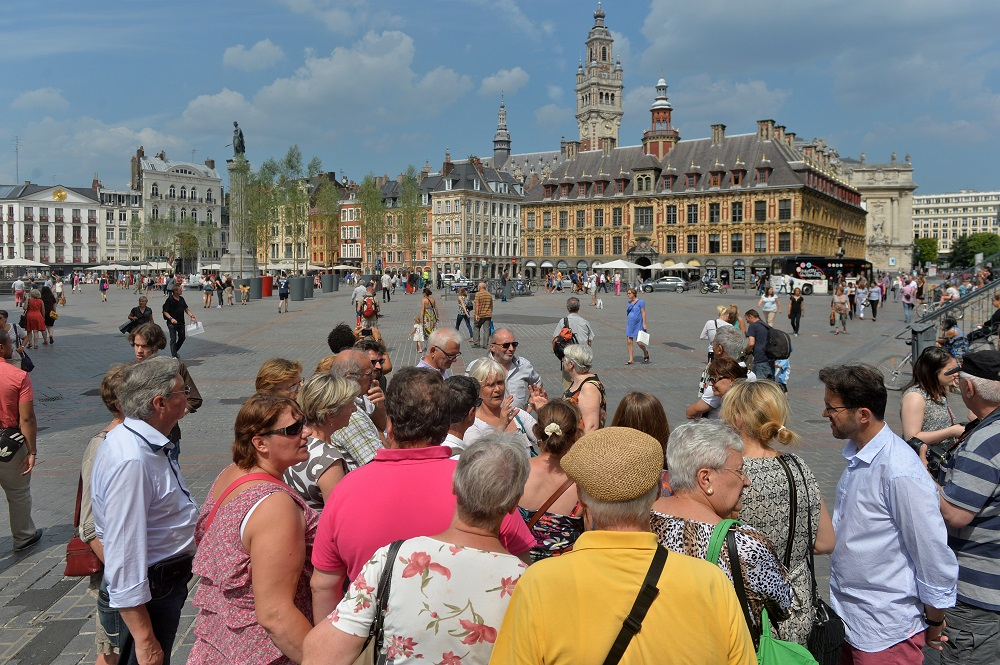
630,362
645,358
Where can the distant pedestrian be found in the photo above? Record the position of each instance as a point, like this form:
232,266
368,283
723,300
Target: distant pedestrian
174,309
17,412
483,314
283,292
418,333
635,323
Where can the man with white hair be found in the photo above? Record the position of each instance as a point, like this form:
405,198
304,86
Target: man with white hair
144,513
970,506
729,342
444,346
618,565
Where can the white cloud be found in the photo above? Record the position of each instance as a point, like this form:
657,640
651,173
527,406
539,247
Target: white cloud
44,99
345,17
552,115
554,92
504,81
706,101
261,55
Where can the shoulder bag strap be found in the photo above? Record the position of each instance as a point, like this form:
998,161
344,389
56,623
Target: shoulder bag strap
233,485
79,500
647,594
736,568
718,536
376,631
793,510
810,558
549,501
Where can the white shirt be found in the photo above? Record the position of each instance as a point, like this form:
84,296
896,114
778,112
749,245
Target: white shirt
143,510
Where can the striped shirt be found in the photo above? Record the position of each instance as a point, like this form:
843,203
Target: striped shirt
973,483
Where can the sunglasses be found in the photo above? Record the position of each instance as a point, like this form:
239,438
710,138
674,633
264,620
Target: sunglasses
291,430
507,345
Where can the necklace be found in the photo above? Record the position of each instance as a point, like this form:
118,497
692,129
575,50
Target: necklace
475,532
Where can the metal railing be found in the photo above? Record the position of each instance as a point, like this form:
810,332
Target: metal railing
973,308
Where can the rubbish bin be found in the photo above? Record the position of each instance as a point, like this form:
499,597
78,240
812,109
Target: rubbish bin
297,289
924,336
310,285
336,281
328,281
267,286
256,286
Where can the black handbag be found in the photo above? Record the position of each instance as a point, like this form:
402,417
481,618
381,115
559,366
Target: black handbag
377,630
11,440
826,639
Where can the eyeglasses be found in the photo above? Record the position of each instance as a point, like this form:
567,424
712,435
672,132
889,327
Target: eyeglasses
835,409
378,361
291,430
186,390
449,356
507,345
368,373
740,473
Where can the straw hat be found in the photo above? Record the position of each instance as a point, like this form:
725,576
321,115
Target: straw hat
615,463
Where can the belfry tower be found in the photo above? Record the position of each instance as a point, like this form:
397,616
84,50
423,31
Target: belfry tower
599,89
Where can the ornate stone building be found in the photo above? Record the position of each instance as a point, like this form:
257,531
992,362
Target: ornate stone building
887,194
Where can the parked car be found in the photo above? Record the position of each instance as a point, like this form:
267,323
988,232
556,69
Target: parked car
667,283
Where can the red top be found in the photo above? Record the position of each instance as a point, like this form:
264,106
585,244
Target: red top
15,388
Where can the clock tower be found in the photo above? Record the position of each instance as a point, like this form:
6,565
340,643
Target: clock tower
599,89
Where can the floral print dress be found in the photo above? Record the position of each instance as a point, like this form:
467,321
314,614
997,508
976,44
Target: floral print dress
445,603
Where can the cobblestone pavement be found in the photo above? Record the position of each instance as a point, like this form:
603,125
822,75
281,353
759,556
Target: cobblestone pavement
46,618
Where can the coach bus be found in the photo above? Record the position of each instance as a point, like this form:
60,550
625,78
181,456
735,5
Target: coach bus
816,274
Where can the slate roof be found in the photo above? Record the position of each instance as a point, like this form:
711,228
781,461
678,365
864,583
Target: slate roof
163,165
689,156
464,175
13,192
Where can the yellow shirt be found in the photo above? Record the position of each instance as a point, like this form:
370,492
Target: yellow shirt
569,609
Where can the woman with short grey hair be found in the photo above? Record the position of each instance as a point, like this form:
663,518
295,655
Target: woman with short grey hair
585,389
705,460
447,592
496,412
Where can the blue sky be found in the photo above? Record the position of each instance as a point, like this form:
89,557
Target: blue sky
375,86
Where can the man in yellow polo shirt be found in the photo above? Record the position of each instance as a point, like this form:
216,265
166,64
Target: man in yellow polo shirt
570,609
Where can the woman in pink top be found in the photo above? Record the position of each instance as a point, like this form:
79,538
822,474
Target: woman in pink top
255,537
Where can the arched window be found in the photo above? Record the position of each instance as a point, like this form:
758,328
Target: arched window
156,212
173,192
183,193
194,194
184,213
208,216
604,54
155,189
194,216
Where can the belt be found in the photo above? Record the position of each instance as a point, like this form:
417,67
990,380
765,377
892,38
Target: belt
170,570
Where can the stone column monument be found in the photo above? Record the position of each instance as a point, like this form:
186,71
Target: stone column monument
239,260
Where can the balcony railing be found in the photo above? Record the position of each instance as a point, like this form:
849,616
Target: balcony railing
76,219
29,217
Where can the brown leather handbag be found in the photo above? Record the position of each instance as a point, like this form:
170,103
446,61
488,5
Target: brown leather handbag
80,558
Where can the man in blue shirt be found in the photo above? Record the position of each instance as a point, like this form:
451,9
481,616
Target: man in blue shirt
143,512
971,509
892,574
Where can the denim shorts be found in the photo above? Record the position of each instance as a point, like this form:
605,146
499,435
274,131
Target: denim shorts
109,617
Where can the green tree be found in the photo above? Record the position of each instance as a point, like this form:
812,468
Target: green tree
411,219
373,213
925,250
964,249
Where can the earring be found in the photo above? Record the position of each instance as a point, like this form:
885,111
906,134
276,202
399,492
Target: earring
709,491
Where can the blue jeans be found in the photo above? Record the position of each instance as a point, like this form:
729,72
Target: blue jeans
973,636
458,323
764,370
907,312
164,614
109,617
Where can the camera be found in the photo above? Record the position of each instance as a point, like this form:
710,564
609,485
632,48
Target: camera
938,455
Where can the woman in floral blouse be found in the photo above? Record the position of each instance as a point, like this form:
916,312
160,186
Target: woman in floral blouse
448,592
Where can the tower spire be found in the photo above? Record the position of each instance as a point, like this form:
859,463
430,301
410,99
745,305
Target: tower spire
501,140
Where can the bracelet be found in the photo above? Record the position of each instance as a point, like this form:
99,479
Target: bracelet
936,624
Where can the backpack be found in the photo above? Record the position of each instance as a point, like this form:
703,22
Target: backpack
368,307
565,337
778,345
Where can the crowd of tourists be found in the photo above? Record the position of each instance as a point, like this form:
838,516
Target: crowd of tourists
420,514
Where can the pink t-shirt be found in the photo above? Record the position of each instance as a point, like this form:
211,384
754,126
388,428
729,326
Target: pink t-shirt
15,388
400,494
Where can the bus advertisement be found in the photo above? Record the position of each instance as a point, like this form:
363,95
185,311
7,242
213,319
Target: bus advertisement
817,274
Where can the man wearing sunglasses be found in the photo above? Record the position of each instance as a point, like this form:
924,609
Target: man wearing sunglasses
522,379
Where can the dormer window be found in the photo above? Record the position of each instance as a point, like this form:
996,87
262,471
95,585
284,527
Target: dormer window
715,179
738,178
643,183
447,185
668,181
619,186
692,180
763,175
564,190
599,188
547,191
581,189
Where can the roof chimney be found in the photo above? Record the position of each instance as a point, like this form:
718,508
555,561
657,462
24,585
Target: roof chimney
780,130
448,166
790,137
718,134
765,130
210,163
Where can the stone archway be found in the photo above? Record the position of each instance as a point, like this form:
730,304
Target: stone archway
644,272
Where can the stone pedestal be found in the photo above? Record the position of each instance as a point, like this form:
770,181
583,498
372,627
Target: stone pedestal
238,262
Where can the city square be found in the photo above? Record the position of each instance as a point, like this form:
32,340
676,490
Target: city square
47,618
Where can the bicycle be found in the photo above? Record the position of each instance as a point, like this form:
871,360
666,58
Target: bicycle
931,307
897,371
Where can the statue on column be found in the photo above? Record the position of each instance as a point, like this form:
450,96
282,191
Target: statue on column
239,147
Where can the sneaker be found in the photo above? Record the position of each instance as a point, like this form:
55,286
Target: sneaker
31,541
